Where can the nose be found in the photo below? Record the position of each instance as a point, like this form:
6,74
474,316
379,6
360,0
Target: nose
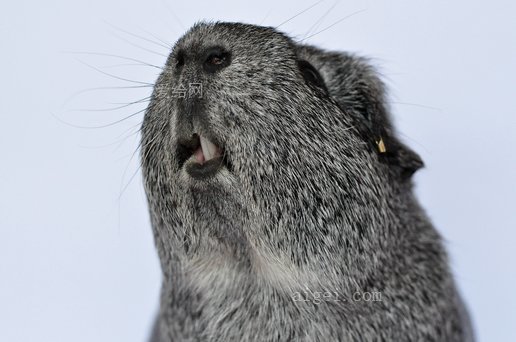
195,71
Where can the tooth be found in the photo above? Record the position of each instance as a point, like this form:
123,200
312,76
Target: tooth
208,148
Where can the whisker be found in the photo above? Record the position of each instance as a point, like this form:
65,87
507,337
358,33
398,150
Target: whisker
112,88
167,44
145,99
152,142
119,139
124,188
115,66
266,16
167,6
335,23
129,136
139,47
114,56
316,25
417,105
297,15
415,142
122,105
89,90
138,148
138,36
101,126
114,76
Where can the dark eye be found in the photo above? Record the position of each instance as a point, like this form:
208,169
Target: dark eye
311,75
180,60
216,59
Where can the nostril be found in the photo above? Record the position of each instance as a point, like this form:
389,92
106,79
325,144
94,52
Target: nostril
216,58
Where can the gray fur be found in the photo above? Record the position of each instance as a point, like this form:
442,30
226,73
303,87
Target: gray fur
310,206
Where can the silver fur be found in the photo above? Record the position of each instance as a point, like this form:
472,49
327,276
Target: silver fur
310,205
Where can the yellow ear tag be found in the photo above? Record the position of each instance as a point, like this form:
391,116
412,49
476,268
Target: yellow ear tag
381,146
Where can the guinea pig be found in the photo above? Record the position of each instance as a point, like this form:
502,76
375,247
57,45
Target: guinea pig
281,199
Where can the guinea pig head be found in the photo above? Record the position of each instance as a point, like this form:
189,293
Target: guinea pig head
255,147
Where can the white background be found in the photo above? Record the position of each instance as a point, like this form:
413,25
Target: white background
77,261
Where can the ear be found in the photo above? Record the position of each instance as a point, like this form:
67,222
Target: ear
398,156
311,75
355,86
368,106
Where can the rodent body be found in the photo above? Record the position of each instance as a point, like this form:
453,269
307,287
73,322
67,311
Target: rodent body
280,182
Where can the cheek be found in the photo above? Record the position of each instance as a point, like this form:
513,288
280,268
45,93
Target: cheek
232,120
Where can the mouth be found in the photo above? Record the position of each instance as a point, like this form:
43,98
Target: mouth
201,156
